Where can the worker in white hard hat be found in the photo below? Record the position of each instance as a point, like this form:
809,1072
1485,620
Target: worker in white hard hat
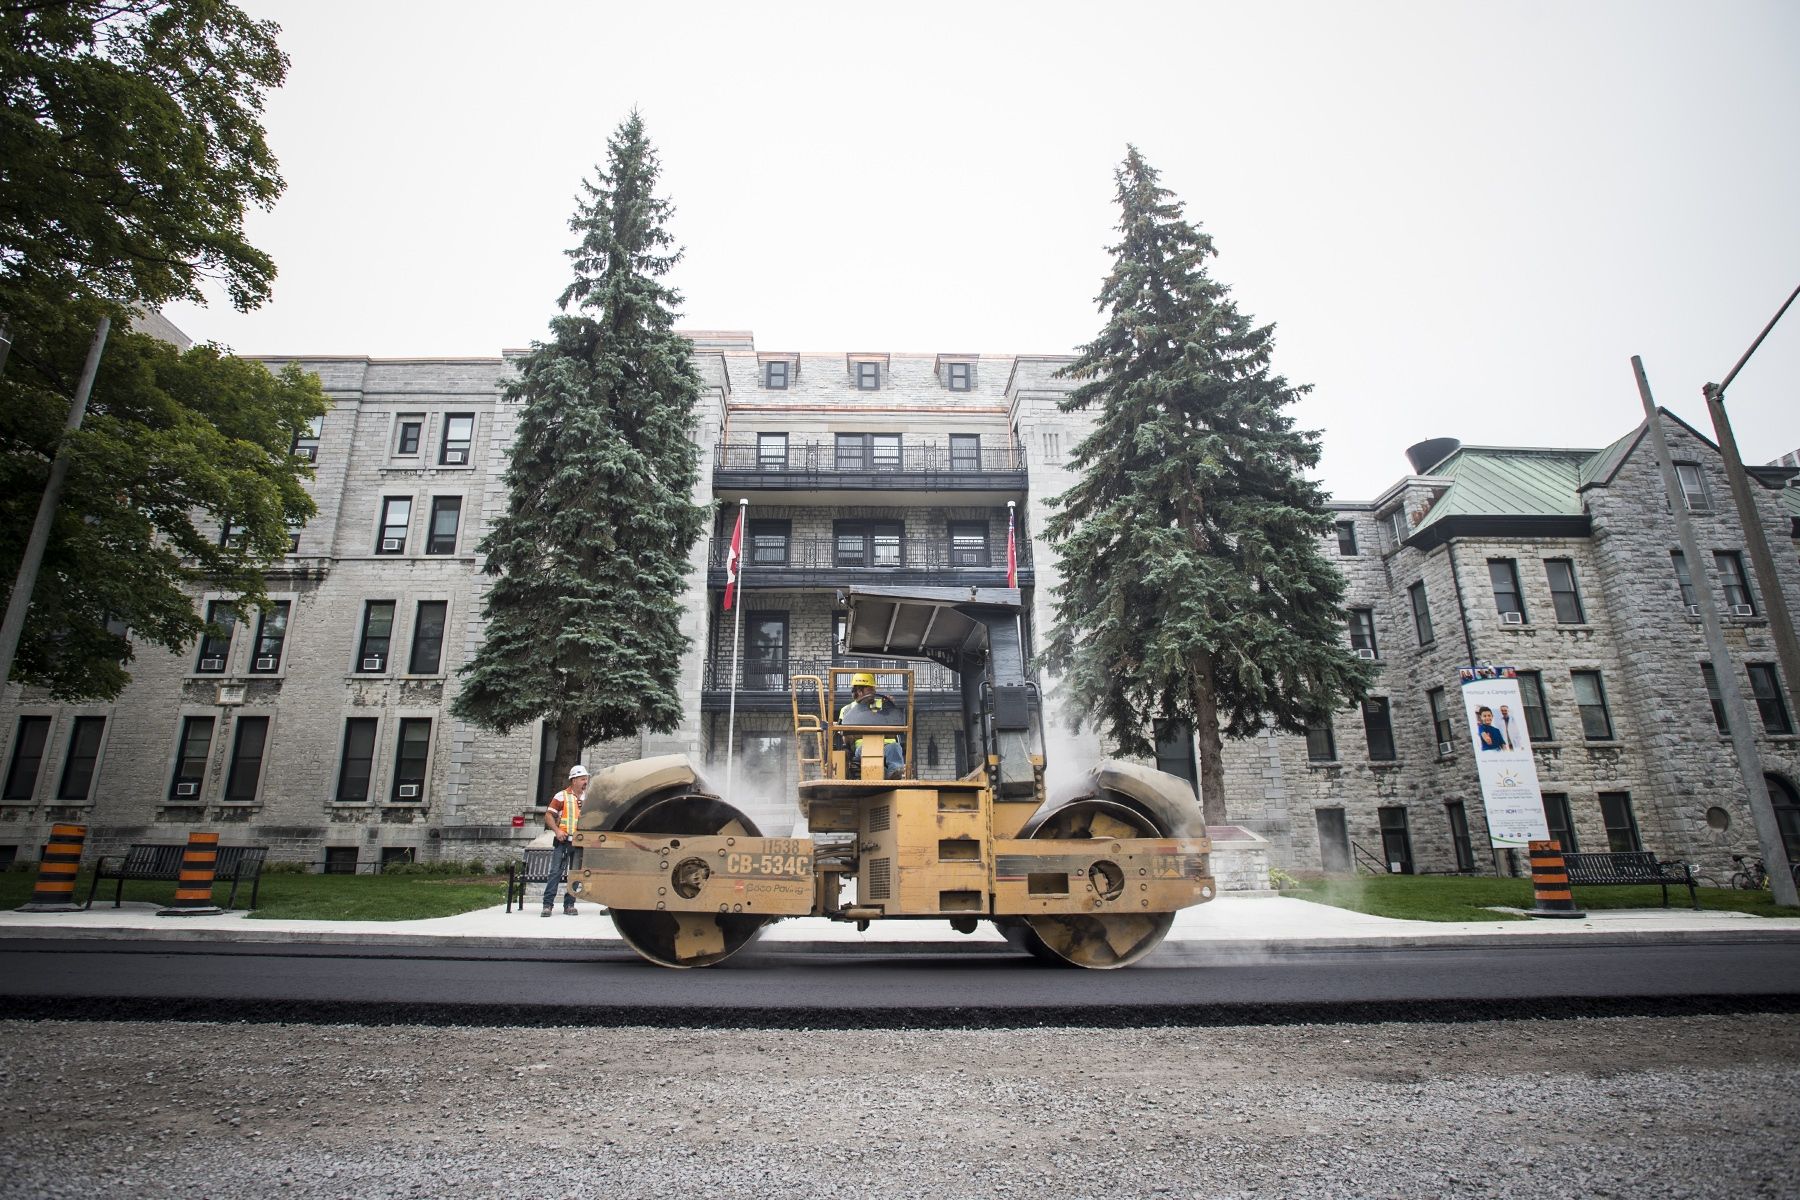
870,707
561,816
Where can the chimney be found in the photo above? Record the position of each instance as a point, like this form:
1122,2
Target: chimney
1430,452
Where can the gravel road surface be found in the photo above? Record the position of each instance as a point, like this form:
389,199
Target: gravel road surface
1624,1106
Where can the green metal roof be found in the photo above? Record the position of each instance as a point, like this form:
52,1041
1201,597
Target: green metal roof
1504,481
1600,468
1790,500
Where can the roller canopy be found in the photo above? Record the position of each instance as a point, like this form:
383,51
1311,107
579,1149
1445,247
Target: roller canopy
945,625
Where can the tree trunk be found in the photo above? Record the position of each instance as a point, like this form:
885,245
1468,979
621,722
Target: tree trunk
1209,743
568,746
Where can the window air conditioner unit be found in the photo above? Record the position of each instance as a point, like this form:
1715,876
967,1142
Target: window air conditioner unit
1445,748
265,664
372,664
456,456
409,791
1693,610
187,789
1512,618
1743,610
1364,652
391,544
309,453
212,664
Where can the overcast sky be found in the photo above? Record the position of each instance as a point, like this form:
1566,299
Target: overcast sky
1462,218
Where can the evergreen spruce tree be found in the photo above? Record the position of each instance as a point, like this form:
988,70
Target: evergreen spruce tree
1194,589
591,557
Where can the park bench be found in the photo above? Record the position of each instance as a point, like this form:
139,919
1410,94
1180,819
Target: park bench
148,861
534,869
1633,866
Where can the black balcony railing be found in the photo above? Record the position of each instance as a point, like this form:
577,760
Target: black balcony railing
911,464
821,562
761,687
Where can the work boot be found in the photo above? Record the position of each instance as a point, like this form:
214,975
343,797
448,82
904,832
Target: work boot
568,910
545,913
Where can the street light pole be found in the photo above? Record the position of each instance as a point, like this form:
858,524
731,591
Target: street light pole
1762,562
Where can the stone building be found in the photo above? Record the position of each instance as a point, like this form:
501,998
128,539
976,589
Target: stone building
322,729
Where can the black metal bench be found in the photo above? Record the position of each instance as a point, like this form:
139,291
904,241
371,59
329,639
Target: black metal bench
162,863
534,869
1631,866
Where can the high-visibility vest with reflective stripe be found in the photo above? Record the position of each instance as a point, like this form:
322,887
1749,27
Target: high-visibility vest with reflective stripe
570,816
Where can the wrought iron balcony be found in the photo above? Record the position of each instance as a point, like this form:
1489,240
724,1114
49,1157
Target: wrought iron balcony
914,464
815,562
762,688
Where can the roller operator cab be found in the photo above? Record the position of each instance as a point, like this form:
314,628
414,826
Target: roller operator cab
1091,877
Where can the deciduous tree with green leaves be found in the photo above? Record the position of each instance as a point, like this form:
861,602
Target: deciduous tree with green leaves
1194,588
591,557
130,150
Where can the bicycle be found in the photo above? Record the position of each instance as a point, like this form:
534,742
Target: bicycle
1751,875
1701,878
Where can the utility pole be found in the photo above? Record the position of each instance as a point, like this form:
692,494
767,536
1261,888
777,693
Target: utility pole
1737,716
20,601
1762,563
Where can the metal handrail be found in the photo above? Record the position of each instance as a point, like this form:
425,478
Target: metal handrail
912,554
928,678
1362,859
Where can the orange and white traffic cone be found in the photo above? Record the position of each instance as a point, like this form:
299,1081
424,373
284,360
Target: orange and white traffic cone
193,891
1550,882
55,891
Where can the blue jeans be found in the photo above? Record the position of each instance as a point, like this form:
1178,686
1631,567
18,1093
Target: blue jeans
893,761
563,855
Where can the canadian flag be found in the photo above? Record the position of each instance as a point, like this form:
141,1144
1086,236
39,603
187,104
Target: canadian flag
1012,551
733,560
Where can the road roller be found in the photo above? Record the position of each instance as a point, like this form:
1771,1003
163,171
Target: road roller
1090,877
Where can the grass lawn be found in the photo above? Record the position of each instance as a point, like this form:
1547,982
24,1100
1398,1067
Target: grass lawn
1460,898
294,897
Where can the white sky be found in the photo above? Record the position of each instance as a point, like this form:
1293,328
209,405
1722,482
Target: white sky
1463,218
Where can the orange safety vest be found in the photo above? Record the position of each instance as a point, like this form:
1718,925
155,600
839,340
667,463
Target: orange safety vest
567,805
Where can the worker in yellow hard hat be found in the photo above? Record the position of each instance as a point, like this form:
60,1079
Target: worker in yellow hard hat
869,707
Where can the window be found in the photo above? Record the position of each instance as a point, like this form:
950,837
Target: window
1347,538
459,436
1693,487
84,752
306,441
1561,822
408,433
1537,716
771,451
768,542
1458,818
191,754
1711,679
340,860
246,759
27,757
868,452
1362,632
1396,840
1765,685
549,742
867,543
775,375
293,531
1421,610
1175,751
1320,746
1378,725
965,452
969,544
428,638
410,752
1683,578
1590,697
1503,573
271,637
216,647
1395,525
959,376
765,651
231,534
446,514
377,629
357,762
396,515
1563,594
1441,725
1737,587
868,376
1621,825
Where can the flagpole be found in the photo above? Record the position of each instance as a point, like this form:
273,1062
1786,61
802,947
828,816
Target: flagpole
735,587
1012,577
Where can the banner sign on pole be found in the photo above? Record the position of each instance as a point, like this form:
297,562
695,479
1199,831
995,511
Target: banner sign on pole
1503,761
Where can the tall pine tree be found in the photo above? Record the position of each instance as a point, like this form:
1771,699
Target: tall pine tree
1194,588
589,562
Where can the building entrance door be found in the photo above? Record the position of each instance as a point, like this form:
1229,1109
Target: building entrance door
1396,842
1334,839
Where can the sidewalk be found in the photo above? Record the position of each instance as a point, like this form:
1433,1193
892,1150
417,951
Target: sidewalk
1231,925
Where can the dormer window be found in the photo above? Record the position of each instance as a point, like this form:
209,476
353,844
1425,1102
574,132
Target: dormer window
775,375
959,376
868,376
